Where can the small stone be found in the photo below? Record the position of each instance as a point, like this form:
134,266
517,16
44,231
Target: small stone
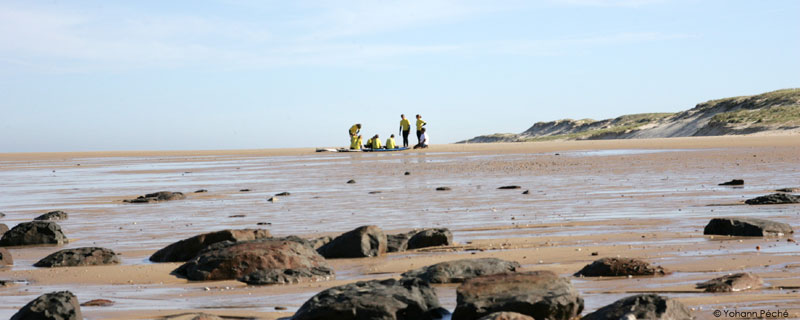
236,216
201,191
595,253
351,181
283,194
244,190
98,303
280,308
374,192
407,173
443,189
734,182
526,192
509,187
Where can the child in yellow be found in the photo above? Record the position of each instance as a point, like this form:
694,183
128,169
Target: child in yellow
355,142
390,143
376,142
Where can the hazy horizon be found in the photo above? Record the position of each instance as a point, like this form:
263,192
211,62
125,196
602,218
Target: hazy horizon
241,74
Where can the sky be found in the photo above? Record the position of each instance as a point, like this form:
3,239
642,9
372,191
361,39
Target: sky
249,74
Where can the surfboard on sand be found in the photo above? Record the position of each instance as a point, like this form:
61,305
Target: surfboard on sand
385,150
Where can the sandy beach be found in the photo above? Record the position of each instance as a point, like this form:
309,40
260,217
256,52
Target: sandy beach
647,199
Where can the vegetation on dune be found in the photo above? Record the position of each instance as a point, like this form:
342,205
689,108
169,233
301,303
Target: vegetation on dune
618,125
764,100
778,115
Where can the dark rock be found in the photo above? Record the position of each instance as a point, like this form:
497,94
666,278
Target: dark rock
351,181
643,306
746,227
615,267
283,194
61,305
538,294
157,196
32,233
244,190
189,248
509,187
526,192
3,228
237,216
288,276
732,283
789,190
53,215
234,260
443,189
316,243
374,192
365,241
264,223
461,270
775,198
506,316
5,258
420,238
391,299
407,173
734,182
98,303
201,191
89,256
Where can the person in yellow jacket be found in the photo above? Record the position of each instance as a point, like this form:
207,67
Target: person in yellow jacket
405,128
369,143
355,142
376,142
354,129
420,123
390,143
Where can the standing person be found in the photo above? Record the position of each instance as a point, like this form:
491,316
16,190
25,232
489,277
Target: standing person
420,124
390,143
424,140
405,128
355,129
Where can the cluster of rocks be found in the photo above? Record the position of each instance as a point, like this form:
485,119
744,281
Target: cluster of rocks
157,196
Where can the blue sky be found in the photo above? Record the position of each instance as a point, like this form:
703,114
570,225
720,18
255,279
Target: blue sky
231,74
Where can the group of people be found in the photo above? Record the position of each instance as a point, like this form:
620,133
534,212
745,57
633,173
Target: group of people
356,140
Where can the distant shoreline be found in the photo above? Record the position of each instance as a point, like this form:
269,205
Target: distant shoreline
499,147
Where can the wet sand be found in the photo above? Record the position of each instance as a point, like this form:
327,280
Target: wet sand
633,198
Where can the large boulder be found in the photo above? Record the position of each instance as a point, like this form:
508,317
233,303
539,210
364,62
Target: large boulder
53,215
62,305
732,283
34,232
461,270
615,267
87,256
746,227
157,196
186,249
416,239
408,299
643,306
506,316
235,260
365,241
5,258
538,294
775,198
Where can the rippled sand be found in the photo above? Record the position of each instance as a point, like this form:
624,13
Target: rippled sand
638,198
